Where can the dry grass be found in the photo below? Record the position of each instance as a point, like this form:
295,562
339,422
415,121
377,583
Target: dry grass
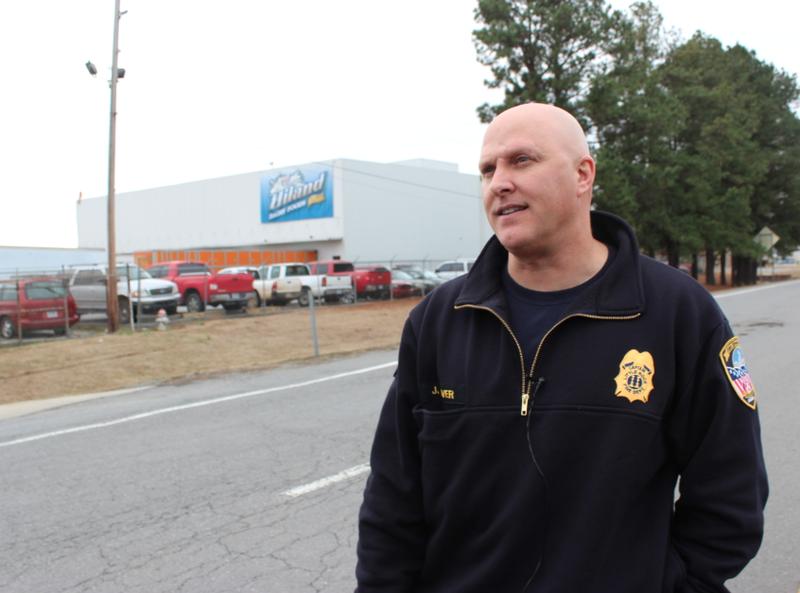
91,365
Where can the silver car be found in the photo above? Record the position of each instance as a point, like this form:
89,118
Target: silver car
88,286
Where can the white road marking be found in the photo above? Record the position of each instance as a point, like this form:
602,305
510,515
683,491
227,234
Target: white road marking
209,402
727,293
341,476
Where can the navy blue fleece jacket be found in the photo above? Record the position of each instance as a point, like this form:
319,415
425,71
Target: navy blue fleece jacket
491,473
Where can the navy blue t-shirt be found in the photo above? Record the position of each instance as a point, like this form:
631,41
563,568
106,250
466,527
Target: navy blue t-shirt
531,313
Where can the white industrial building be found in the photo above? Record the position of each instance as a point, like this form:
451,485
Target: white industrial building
356,210
25,261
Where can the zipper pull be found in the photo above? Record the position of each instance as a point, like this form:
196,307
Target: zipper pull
526,398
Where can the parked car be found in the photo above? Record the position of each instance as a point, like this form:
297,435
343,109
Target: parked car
455,268
428,275
425,279
88,285
278,282
370,282
420,273
198,287
422,285
255,300
41,303
400,287
253,271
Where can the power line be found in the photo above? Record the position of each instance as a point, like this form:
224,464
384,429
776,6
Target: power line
393,179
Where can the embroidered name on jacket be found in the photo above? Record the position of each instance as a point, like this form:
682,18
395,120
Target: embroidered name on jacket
635,378
736,369
447,393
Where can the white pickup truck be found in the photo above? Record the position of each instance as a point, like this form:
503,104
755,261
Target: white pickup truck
295,276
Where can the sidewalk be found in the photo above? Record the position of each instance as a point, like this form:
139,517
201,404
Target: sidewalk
18,409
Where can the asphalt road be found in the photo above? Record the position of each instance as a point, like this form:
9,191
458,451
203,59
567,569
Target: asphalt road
188,490
252,482
767,321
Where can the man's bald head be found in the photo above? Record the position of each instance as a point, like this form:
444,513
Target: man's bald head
552,124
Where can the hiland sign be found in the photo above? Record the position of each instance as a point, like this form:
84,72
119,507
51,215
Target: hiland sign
306,193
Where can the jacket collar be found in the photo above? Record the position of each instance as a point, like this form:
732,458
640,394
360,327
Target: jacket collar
618,293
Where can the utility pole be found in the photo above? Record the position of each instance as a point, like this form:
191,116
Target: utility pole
111,292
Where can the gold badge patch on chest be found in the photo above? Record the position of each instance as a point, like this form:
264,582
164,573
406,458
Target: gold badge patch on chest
635,378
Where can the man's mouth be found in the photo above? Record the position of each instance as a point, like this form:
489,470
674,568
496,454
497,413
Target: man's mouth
511,210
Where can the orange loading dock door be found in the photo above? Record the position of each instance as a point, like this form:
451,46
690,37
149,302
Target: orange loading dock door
218,259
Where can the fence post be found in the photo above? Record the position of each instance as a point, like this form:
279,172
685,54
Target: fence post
130,297
205,292
139,292
263,273
19,312
65,291
355,282
391,284
313,325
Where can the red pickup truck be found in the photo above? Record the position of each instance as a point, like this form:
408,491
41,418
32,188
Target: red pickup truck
199,287
370,284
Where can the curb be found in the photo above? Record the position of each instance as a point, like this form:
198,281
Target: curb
17,409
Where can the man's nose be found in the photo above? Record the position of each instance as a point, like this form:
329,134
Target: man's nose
501,180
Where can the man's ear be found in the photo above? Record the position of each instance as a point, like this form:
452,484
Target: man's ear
585,171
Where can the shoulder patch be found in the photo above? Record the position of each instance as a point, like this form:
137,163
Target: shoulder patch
635,378
737,373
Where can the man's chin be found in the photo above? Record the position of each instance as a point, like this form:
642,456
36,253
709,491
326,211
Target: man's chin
516,243
525,248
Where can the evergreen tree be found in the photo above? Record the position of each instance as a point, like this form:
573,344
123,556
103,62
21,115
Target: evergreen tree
636,126
697,145
776,199
741,144
543,51
720,159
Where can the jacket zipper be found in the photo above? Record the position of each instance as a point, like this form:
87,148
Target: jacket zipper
527,382
525,398
525,391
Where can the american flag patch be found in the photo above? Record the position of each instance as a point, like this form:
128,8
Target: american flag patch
738,375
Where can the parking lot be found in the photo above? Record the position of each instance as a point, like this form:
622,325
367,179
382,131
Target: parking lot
186,292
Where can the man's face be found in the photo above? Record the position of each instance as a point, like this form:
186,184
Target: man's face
530,184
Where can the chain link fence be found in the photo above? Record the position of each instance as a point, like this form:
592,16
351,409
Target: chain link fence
45,303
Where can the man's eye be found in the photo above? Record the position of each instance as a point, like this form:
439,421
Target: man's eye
523,159
487,170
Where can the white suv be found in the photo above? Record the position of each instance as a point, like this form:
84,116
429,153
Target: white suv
453,269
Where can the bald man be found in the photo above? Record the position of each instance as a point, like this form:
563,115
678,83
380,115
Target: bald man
546,404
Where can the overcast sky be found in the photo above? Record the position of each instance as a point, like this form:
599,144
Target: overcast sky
216,89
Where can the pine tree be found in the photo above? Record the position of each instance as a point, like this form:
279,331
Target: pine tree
543,51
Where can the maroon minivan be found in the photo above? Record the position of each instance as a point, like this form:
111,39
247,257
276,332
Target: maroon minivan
41,302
